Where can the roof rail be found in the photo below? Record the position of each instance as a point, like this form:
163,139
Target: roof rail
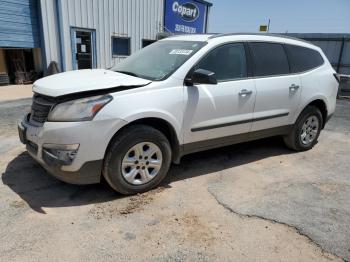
262,34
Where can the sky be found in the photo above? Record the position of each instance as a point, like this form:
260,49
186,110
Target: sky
293,16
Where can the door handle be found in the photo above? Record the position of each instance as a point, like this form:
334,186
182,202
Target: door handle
293,88
245,92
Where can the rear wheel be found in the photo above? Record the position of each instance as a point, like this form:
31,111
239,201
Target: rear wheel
306,130
138,160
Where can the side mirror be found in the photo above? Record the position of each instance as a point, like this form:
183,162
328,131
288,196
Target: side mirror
202,76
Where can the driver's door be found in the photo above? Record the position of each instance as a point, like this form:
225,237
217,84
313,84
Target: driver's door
222,110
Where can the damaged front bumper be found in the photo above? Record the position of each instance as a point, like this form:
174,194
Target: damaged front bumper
70,151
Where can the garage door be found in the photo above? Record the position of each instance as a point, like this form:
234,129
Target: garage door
19,23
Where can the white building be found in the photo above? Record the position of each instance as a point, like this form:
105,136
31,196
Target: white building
81,34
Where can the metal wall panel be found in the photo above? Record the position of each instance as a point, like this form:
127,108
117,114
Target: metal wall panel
337,52
331,49
335,46
19,24
345,60
137,19
50,31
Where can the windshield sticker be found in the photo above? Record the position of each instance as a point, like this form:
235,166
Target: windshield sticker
180,52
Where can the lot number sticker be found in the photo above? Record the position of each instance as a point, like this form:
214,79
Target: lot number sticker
180,52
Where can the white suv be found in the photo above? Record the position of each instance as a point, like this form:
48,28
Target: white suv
177,96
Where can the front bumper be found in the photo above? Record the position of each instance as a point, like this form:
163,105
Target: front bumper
91,136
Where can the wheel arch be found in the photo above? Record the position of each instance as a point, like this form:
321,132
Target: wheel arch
321,104
163,126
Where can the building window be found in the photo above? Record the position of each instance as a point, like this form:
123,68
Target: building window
146,42
120,46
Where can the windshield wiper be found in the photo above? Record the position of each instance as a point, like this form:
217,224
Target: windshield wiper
128,73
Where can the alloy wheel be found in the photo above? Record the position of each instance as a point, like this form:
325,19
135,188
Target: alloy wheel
309,130
142,163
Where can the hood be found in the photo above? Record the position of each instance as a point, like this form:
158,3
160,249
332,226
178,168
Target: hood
83,81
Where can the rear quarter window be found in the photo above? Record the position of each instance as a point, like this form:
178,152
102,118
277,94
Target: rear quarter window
269,59
303,59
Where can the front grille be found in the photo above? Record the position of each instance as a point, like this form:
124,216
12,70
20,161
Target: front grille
41,107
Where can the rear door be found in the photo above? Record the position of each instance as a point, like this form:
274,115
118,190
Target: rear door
278,91
224,109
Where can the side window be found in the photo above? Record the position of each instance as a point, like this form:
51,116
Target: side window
228,62
302,59
269,59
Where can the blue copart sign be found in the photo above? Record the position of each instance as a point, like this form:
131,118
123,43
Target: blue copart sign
185,16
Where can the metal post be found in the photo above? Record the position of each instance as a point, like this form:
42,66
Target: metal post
340,54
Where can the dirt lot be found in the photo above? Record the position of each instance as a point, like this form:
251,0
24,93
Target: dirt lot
14,92
251,202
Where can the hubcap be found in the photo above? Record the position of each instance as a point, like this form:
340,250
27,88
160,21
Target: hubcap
309,130
142,163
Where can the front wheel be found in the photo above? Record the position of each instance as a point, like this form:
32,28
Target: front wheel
138,160
306,130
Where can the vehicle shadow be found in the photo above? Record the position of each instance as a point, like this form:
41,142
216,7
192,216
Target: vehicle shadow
219,159
38,189
30,181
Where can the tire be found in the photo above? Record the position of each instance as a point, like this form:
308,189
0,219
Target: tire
125,165
297,139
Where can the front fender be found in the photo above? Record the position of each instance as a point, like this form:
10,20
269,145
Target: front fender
163,115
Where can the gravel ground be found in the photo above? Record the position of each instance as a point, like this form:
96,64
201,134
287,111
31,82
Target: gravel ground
249,202
14,92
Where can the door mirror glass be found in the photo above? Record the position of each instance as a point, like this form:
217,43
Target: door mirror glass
202,76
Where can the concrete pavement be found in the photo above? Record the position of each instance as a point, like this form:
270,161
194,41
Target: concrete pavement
14,92
256,201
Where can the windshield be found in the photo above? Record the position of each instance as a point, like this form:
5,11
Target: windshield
159,60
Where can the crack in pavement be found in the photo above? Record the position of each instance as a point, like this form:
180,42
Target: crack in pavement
250,216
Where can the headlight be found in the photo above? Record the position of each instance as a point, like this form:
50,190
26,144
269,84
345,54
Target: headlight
79,110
